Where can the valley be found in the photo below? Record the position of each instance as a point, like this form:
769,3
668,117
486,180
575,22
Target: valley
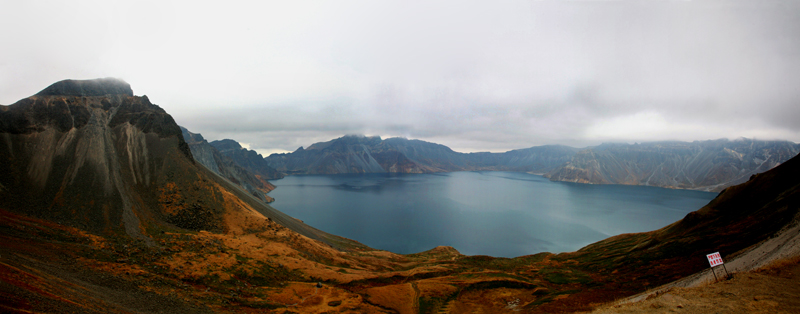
106,207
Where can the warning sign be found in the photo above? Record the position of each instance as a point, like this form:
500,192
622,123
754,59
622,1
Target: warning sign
714,259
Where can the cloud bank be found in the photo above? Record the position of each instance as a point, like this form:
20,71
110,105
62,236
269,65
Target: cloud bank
475,76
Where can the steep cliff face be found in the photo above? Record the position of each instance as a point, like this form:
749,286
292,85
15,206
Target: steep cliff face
210,157
359,154
82,150
248,159
89,154
707,165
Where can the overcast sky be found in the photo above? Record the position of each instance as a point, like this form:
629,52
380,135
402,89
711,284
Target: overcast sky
475,76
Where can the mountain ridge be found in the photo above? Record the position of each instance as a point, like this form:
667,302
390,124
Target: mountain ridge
361,154
701,165
708,165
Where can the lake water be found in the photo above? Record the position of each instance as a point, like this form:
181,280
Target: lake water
504,214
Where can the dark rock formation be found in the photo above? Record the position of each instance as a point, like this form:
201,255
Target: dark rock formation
83,159
707,165
91,155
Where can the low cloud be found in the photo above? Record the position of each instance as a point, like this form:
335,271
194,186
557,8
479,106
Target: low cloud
475,76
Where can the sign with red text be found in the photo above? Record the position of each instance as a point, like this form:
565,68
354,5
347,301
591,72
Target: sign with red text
714,259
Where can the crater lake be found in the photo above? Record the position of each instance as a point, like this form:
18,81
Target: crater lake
502,214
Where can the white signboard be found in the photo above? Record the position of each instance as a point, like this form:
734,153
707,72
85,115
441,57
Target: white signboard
714,259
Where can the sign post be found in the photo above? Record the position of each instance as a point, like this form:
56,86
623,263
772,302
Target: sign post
714,259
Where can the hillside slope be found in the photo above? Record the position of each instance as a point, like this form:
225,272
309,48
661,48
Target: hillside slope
706,165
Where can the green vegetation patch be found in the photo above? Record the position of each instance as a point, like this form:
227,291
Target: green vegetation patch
495,284
263,274
434,304
565,276
501,263
260,304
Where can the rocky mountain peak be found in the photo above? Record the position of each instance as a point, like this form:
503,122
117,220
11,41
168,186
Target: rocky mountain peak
95,87
190,137
226,144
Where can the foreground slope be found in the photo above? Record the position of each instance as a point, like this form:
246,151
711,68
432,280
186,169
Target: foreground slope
701,165
773,289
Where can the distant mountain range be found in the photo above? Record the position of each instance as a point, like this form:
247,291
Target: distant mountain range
702,165
360,154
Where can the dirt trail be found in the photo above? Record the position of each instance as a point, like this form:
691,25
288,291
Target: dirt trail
303,299
784,245
754,280
415,305
773,289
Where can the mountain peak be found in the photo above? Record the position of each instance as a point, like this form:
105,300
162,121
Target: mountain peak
226,144
95,87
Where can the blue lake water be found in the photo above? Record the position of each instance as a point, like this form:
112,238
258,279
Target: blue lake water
504,214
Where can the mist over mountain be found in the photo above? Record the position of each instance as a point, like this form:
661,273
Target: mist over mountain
360,154
702,165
